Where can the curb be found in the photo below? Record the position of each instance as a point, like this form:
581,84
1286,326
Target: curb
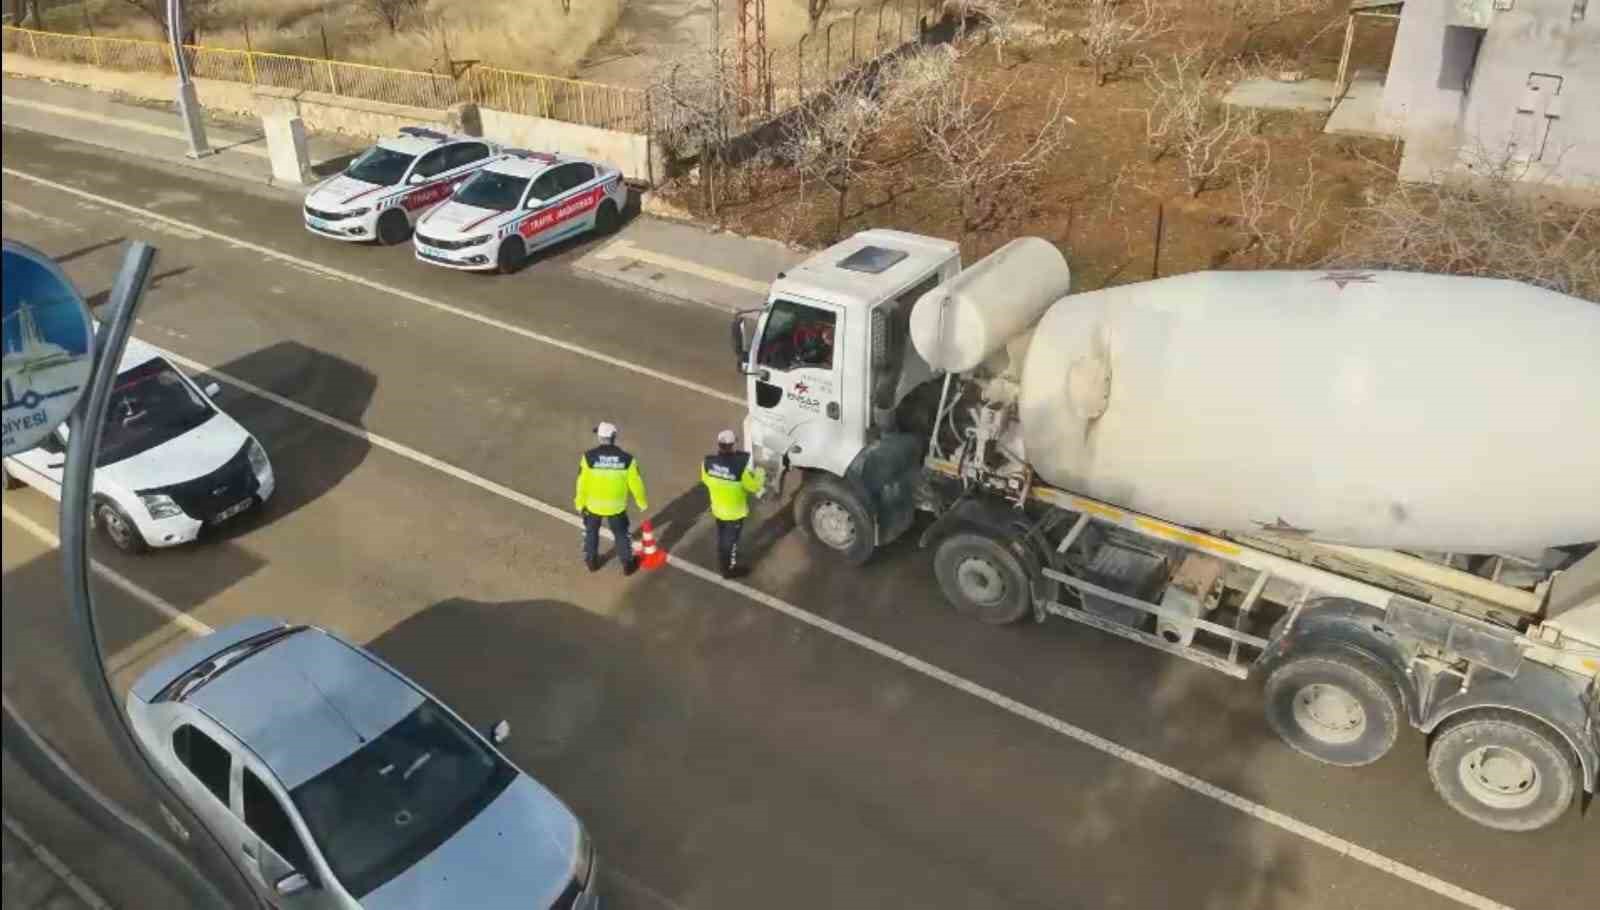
73,883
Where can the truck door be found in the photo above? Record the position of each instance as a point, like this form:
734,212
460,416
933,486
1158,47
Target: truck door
796,394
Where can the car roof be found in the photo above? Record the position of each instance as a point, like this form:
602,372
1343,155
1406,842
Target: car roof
521,165
423,141
306,702
823,277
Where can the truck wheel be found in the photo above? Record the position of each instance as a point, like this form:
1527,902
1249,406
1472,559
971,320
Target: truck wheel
1336,708
831,513
982,578
393,227
1503,770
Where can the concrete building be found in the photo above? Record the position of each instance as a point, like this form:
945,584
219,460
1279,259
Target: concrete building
1495,81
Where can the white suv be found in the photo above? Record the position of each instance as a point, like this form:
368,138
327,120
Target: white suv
170,463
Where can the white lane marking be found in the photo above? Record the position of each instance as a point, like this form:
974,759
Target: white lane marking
80,888
623,249
429,302
1187,781
60,224
154,601
135,126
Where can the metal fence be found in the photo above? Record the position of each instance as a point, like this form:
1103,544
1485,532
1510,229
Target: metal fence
570,100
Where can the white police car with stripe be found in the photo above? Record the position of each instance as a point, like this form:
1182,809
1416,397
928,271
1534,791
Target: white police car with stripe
521,202
386,188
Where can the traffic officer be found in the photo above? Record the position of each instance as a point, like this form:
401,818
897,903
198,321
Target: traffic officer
606,475
730,479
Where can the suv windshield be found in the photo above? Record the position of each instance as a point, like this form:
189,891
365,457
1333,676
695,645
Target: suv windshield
491,190
150,404
380,165
397,798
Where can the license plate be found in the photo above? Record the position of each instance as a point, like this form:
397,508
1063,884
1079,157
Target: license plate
232,510
318,223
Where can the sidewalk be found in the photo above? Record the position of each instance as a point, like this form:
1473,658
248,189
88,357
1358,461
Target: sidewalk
152,131
677,260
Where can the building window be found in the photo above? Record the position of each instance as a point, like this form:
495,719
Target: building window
1459,57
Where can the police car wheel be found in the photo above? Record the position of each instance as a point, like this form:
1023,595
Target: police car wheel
606,220
510,256
393,228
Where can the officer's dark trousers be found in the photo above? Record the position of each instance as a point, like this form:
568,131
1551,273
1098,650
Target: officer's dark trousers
728,543
619,530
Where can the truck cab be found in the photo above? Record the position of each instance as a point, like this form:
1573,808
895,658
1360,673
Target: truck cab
826,361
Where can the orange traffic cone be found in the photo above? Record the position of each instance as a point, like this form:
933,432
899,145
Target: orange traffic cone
650,555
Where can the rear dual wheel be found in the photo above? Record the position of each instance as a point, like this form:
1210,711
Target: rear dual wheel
1503,770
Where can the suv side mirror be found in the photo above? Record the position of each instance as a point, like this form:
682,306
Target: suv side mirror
415,179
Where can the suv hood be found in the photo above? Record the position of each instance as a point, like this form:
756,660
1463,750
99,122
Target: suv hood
455,219
196,453
339,191
518,853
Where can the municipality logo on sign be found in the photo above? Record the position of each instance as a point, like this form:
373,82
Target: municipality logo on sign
48,344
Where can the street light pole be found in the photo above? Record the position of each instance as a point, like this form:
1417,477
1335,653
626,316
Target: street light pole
188,101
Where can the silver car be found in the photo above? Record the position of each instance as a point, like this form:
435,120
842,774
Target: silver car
342,784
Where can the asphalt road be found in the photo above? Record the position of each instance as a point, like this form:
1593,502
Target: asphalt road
723,753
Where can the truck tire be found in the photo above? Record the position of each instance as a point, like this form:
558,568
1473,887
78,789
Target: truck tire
1503,770
1340,709
829,512
982,578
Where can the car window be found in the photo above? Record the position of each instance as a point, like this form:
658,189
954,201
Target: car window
397,798
465,153
546,186
206,759
150,404
490,189
380,165
270,822
51,443
797,336
576,175
432,163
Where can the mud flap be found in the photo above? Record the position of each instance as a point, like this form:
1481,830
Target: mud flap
886,471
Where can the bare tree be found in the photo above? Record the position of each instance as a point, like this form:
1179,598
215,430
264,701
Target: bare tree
1495,226
197,14
392,13
1278,229
827,138
1247,19
815,10
695,106
1114,28
974,154
1185,117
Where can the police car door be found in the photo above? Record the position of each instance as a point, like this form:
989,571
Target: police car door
427,183
572,207
797,389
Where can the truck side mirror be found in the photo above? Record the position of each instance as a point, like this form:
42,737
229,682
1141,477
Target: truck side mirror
739,332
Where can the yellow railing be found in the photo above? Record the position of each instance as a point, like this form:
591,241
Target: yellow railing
572,100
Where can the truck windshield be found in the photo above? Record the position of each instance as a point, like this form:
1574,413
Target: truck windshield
491,190
797,336
396,799
150,404
379,165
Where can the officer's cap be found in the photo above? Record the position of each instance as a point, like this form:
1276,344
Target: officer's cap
726,438
607,431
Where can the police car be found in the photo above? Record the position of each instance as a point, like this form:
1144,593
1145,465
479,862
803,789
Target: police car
520,202
379,196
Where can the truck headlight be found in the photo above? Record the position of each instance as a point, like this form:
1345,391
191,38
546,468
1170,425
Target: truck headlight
258,461
583,862
159,505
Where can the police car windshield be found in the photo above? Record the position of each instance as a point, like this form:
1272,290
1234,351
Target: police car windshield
150,404
491,190
380,165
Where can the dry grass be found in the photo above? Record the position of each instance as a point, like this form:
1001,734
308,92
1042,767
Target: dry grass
532,35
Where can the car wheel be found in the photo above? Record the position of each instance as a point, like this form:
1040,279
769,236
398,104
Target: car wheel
1340,709
982,578
510,256
1504,771
829,512
393,227
606,220
118,528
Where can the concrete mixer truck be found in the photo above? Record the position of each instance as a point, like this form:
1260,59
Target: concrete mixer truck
1378,493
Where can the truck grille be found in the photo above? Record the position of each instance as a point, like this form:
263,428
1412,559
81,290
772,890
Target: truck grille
442,244
203,497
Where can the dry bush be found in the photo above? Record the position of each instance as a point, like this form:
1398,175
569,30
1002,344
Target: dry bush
695,106
392,13
1247,19
1495,226
1280,230
1186,118
1114,28
908,80
976,157
827,138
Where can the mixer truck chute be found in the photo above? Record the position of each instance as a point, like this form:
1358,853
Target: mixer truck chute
1274,475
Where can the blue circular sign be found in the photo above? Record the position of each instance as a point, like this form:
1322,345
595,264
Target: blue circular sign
48,343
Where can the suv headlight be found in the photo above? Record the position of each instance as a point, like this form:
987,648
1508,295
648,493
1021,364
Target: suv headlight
583,863
159,505
258,460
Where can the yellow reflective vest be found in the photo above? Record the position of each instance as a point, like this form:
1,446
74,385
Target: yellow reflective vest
730,481
606,475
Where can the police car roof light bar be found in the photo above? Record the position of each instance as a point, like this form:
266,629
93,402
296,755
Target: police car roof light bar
421,132
527,153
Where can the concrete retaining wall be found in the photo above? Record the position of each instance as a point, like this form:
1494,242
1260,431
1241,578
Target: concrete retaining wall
633,153
215,94
326,113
